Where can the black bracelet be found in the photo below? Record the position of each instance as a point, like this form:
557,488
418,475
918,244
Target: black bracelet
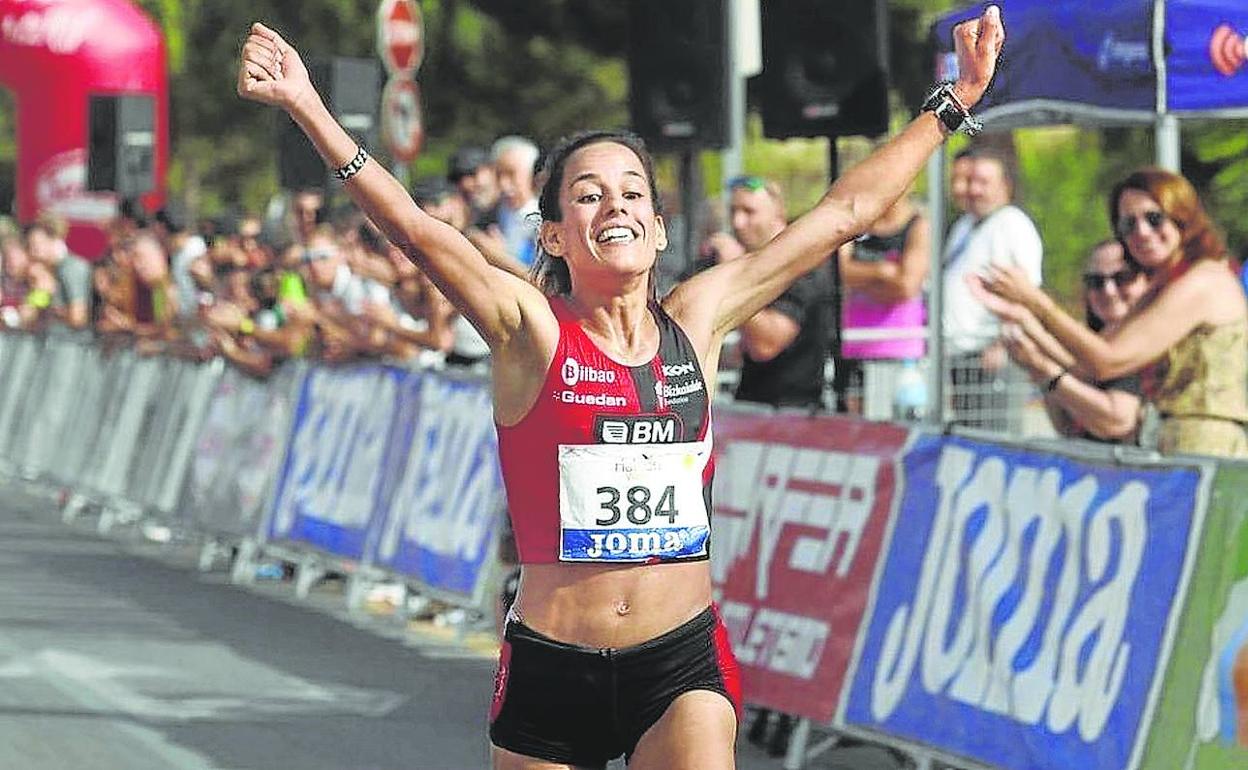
1051,385
353,166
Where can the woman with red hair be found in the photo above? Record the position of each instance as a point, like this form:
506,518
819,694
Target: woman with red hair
1189,335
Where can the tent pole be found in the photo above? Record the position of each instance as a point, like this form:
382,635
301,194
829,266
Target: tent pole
935,288
1167,142
1166,127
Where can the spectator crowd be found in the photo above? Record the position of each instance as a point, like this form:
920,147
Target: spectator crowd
313,278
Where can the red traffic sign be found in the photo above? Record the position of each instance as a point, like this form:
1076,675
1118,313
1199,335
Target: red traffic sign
402,122
400,36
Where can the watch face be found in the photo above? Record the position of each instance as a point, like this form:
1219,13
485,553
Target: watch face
944,106
950,115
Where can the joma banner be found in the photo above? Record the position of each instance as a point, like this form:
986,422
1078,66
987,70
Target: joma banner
801,508
1027,605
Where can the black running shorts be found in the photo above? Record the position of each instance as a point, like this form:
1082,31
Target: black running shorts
584,706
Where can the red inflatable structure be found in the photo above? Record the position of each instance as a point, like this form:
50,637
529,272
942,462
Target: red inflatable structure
54,55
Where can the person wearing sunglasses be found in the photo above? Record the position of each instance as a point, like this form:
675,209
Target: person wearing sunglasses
601,395
1100,411
1188,337
783,346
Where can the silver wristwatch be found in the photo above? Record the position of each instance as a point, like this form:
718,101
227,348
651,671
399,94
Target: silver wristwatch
949,110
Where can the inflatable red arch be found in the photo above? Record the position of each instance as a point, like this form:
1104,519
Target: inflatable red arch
54,55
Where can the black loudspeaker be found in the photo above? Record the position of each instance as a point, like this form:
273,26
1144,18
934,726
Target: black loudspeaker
825,70
678,72
351,89
121,144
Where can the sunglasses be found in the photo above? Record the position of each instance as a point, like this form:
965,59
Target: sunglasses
315,255
1127,224
751,183
1099,281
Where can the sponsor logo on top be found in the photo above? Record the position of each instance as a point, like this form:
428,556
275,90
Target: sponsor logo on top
682,381
575,372
679,370
639,429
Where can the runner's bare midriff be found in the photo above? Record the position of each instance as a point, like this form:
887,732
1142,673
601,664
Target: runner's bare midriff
611,605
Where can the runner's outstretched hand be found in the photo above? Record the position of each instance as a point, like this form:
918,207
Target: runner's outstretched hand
977,44
270,70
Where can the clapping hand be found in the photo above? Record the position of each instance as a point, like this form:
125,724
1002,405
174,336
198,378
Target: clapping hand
1010,283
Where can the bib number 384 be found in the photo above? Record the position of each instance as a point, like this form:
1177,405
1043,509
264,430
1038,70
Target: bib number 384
637,506
632,503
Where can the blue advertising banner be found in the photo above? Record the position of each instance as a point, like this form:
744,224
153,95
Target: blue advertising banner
1206,67
1025,608
448,500
329,488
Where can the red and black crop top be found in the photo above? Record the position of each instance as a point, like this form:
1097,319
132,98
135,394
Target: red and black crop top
612,437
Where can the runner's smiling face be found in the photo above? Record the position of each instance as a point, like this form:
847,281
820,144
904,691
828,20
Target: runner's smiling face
608,214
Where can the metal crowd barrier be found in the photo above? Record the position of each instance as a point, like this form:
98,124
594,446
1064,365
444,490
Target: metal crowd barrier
1002,401
267,469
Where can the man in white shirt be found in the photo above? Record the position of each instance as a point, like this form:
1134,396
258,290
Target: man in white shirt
514,160
993,231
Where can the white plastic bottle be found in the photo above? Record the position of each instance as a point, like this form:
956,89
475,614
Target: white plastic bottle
910,393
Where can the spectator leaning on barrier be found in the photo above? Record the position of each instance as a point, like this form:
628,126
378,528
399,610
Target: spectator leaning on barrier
993,231
183,247
1189,335
882,273
420,316
335,294
467,348
155,298
45,243
784,345
305,213
27,287
232,325
472,173
1099,411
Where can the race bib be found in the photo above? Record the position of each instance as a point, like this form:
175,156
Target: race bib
622,503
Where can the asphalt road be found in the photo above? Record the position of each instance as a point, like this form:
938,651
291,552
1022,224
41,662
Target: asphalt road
118,654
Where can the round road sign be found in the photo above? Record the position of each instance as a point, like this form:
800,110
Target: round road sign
402,124
400,36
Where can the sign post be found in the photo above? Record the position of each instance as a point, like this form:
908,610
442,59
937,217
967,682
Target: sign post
401,47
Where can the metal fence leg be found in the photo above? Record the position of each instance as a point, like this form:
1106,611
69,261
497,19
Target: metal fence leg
357,589
107,519
208,554
307,572
244,569
795,757
73,507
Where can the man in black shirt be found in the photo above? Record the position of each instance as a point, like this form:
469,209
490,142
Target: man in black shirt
783,346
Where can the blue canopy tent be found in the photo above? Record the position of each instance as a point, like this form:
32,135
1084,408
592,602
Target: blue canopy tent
1113,62
1098,62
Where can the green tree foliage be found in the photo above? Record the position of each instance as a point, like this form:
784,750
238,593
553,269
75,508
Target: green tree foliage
8,154
548,67
538,73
